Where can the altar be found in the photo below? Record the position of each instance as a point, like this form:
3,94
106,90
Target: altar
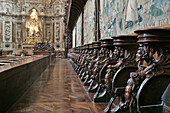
30,25
28,47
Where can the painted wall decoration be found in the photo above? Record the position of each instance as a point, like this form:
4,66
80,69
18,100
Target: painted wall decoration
124,16
89,22
79,31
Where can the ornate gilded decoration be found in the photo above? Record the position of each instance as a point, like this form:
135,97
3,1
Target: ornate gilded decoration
33,24
24,22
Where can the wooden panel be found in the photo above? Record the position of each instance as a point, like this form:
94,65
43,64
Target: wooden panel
17,79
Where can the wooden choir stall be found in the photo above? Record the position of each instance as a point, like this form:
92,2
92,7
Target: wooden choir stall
130,73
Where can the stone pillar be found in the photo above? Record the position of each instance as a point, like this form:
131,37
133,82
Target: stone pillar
0,31
52,30
42,29
62,30
23,28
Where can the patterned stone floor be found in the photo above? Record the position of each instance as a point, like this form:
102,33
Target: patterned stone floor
57,91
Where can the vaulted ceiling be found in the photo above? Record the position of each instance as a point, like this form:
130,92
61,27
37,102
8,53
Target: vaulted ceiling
75,7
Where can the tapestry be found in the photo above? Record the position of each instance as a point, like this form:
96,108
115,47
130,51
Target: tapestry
79,31
124,16
89,21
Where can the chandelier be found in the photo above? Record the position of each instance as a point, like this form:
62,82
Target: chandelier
33,23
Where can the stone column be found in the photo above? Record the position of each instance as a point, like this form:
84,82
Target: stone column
42,29
52,30
0,31
62,29
23,28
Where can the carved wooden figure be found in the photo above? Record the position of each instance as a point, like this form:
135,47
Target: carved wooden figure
72,55
77,55
118,74
96,48
84,65
86,61
82,60
146,86
106,46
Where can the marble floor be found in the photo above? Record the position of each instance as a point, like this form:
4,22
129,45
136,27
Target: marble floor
58,90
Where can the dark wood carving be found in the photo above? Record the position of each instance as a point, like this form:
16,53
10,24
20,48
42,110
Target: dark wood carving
146,86
92,61
80,59
87,61
84,62
132,73
124,52
106,46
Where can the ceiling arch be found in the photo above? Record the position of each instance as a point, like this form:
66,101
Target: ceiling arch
76,7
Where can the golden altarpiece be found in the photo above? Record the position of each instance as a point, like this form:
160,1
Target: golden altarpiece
24,22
